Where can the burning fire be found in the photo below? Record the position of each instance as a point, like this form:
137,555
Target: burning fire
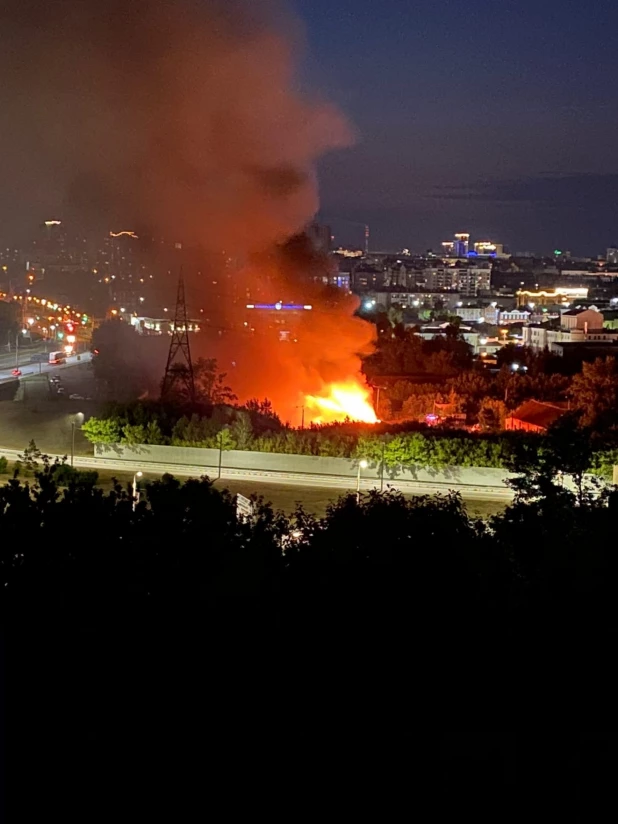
341,401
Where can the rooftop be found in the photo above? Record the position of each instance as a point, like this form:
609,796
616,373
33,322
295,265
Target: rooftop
575,312
538,413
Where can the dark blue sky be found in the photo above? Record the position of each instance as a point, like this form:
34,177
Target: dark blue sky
497,117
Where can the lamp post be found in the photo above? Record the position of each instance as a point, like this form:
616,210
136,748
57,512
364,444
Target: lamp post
135,492
302,416
77,419
220,445
361,465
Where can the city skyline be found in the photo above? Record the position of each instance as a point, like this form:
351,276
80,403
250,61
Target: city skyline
492,117
493,121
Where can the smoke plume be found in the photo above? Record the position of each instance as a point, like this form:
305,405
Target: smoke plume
176,113
184,116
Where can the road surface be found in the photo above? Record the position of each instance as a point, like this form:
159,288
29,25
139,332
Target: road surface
479,493
8,359
29,369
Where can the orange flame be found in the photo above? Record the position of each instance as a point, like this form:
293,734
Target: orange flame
341,401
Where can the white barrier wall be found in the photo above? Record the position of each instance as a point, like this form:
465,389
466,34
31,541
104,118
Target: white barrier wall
306,464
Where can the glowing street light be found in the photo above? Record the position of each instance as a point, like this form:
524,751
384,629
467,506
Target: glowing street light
135,492
78,419
361,465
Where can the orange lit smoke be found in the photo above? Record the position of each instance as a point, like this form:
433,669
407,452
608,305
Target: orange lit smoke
340,401
318,370
202,135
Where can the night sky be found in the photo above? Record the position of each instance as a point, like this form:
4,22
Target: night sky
497,118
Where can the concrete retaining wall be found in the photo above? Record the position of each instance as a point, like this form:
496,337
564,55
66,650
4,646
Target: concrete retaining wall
306,464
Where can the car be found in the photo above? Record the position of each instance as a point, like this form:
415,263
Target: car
54,379
16,373
76,397
60,390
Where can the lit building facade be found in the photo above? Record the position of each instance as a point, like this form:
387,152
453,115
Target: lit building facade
461,246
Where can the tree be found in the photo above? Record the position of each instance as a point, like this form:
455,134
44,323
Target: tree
594,394
471,387
9,323
31,456
119,364
224,439
492,414
263,416
542,463
395,315
210,383
103,430
242,430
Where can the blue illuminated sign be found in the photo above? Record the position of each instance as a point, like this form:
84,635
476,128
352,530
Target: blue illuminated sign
279,307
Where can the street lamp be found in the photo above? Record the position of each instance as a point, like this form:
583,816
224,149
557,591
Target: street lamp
361,465
135,492
79,418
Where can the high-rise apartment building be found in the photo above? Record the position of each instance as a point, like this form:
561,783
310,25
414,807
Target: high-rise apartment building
461,245
612,256
321,237
473,280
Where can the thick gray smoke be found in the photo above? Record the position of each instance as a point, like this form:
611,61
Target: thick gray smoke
183,118
180,115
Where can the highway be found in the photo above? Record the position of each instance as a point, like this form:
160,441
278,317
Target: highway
480,493
29,369
8,359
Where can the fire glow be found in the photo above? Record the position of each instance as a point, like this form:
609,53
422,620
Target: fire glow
341,401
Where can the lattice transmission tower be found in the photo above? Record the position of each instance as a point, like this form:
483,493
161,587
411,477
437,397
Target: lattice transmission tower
179,369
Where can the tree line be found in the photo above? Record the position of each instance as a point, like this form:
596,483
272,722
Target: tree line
186,541
120,612
418,377
255,428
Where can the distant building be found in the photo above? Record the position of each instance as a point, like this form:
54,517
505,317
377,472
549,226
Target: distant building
474,279
158,326
421,299
578,326
577,353
471,337
564,295
612,256
461,246
582,319
514,316
534,416
439,277
485,248
321,237
471,314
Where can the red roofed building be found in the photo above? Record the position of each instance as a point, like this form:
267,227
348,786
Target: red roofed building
534,416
